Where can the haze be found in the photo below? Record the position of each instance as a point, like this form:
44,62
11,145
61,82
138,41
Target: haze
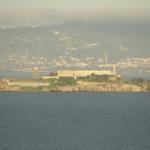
6,4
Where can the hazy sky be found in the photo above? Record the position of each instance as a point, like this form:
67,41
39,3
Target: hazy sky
9,4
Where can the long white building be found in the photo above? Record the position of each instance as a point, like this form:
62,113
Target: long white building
28,83
82,73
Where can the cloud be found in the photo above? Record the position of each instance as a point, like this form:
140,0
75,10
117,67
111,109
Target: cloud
38,16
59,16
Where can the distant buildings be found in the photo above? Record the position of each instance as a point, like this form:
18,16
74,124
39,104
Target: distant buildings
81,73
140,64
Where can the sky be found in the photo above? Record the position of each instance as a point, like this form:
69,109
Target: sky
29,12
84,4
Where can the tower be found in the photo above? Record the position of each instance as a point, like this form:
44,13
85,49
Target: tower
106,57
114,69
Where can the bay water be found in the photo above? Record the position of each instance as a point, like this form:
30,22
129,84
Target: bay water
74,121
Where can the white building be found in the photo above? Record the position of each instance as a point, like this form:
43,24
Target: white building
28,83
82,73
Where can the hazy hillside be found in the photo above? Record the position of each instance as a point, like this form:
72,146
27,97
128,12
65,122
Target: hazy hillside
118,38
75,33
74,44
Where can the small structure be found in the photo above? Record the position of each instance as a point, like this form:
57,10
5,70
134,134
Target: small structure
3,85
106,58
49,77
114,69
35,73
112,66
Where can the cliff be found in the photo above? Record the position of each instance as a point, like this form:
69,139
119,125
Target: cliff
102,87
79,86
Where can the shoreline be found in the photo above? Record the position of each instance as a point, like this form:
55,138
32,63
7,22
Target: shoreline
73,91
98,92
74,86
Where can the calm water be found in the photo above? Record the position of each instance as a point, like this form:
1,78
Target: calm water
75,121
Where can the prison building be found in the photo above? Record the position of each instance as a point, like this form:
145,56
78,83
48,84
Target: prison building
82,73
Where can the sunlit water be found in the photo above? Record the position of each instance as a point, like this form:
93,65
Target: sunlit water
74,121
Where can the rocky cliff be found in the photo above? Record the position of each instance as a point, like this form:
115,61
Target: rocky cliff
102,87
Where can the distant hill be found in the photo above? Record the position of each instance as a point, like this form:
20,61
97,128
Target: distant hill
73,39
119,38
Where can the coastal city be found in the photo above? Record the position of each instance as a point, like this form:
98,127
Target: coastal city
52,48
53,58
25,63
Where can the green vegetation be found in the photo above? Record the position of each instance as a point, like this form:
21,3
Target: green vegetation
64,81
99,78
70,81
54,84
30,88
138,80
148,87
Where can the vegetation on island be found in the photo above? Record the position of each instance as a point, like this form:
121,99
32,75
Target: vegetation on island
100,78
148,86
105,82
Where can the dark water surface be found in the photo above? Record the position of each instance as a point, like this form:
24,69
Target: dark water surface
74,121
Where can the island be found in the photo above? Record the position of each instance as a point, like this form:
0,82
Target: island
76,81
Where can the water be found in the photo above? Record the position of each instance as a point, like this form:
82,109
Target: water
74,121
18,75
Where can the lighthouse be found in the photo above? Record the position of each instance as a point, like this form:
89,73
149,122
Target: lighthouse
114,69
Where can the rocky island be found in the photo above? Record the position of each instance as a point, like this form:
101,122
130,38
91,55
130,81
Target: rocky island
76,81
